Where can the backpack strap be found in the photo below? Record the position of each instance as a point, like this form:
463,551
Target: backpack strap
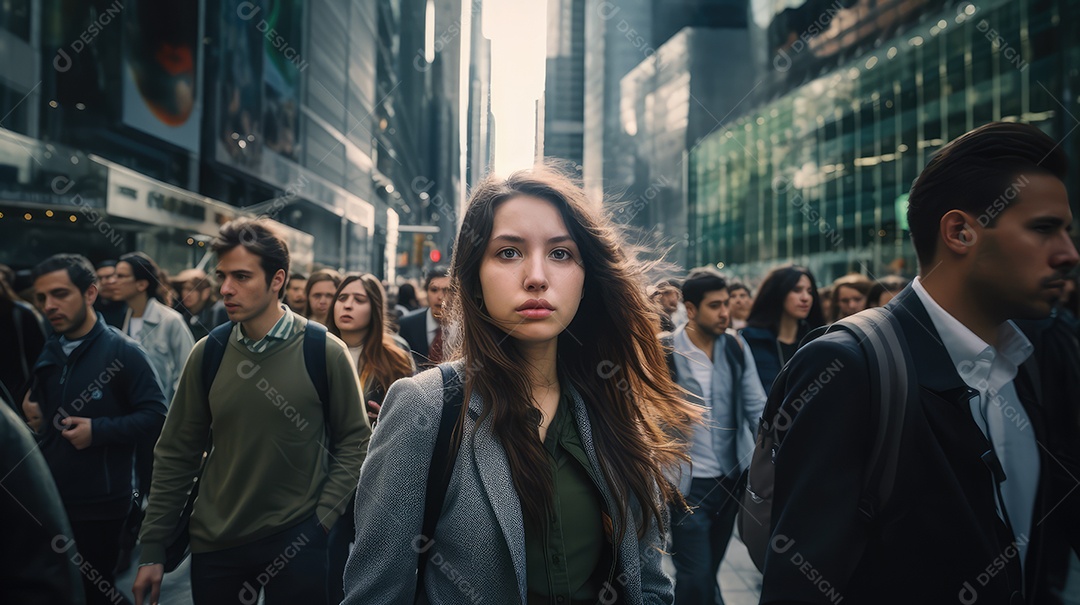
442,463
733,350
893,386
315,362
213,353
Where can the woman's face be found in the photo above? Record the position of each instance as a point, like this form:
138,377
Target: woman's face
851,301
531,274
352,310
321,295
740,303
798,301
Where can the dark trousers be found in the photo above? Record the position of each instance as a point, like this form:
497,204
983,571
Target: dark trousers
700,538
97,546
289,566
337,553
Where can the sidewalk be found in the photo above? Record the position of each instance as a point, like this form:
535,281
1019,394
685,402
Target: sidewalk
740,581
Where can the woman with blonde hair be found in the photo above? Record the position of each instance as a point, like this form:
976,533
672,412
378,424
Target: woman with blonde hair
555,488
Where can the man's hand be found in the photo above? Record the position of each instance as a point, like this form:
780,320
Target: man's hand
32,412
148,583
78,431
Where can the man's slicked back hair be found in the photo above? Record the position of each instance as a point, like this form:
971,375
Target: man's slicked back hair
978,173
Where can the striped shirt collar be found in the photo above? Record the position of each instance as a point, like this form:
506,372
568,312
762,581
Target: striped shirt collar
279,333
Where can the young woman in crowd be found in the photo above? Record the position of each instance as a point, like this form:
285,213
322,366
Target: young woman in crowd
785,310
319,292
358,317
557,491
849,295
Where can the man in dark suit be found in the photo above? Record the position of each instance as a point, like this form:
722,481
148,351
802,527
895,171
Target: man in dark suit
983,481
423,328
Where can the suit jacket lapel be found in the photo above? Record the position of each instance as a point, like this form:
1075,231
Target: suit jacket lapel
491,464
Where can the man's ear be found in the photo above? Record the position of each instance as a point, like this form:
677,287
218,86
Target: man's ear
91,295
691,310
957,233
277,283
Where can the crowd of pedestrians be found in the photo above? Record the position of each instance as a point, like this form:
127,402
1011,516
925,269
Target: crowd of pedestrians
544,425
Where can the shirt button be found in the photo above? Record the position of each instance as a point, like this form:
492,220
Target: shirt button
555,559
560,599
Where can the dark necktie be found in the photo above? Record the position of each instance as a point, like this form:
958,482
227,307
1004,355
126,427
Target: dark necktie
435,352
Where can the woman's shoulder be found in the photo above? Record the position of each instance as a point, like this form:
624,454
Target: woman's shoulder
752,333
422,390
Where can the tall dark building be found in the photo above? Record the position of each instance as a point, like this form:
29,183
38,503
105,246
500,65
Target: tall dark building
669,102
658,77
564,94
481,126
618,36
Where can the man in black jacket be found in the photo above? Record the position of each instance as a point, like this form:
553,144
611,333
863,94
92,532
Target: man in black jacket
423,329
98,400
982,490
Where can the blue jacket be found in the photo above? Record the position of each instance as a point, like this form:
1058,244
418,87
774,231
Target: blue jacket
107,378
763,345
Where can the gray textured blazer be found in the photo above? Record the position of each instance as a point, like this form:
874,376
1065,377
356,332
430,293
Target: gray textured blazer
478,555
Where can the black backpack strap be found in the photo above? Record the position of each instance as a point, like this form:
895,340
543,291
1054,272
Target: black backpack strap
733,350
893,386
315,362
213,352
442,463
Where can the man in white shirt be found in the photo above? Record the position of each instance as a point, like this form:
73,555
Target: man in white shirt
718,371
977,494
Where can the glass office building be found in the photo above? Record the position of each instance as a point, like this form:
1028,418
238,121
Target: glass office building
819,175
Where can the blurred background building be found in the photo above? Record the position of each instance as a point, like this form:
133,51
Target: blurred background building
144,125
750,133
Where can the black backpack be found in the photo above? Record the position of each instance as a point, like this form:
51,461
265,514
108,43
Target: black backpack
893,387
178,545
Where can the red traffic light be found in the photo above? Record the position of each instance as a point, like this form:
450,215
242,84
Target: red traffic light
435,256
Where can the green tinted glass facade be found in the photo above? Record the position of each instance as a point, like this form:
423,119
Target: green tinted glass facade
814,176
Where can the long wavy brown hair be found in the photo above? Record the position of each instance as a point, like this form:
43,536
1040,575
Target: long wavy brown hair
382,361
609,352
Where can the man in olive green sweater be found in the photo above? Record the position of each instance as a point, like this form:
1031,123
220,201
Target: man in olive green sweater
279,474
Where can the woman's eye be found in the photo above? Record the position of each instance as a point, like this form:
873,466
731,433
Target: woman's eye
506,253
560,254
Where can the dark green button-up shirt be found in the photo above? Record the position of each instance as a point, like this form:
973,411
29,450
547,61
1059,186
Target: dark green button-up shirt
562,559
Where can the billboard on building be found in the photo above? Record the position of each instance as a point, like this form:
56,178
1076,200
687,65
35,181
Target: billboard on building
238,131
161,70
282,31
